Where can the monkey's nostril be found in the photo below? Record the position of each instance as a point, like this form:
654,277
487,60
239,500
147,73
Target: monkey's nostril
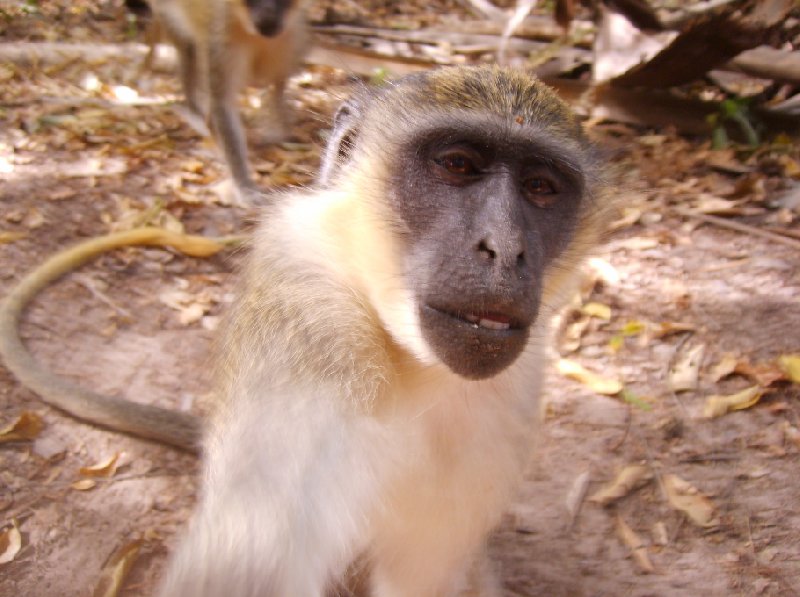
484,248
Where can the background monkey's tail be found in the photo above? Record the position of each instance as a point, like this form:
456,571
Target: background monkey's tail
179,429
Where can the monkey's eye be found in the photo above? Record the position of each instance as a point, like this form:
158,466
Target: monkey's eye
457,164
540,191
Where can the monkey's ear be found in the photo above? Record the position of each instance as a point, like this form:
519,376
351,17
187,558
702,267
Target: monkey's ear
341,141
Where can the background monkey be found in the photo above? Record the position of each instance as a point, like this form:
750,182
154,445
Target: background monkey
380,370
224,44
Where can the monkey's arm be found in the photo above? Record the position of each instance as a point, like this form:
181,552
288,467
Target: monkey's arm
178,429
286,499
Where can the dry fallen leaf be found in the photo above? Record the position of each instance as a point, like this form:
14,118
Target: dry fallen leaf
7,236
104,468
191,307
84,484
666,328
573,333
708,204
660,534
724,368
616,343
596,383
10,543
604,271
791,167
27,427
116,570
633,328
684,497
790,363
716,406
598,310
638,243
34,219
685,372
577,493
629,478
636,545
764,374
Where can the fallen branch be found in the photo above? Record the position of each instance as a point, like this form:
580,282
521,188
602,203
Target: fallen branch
707,43
364,62
31,54
768,63
739,227
657,108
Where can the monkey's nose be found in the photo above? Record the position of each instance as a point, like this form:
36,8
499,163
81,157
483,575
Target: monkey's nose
506,252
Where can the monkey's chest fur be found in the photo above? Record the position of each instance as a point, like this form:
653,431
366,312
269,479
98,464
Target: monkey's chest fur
456,459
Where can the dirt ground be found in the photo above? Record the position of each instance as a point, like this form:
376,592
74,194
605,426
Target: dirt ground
74,163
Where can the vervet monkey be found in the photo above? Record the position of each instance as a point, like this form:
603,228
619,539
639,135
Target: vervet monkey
381,369
223,45
380,372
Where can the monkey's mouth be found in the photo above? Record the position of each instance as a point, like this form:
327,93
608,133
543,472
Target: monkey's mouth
489,321
477,341
493,321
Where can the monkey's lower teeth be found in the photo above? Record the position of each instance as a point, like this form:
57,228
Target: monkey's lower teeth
489,324
493,325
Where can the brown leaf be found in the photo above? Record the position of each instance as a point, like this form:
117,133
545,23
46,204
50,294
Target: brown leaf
724,368
629,478
790,364
603,270
27,427
116,570
660,534
598,310
105,468
84,484
8,236
10,543
685,372
684,497
34,219
708,204
667,328
577,492
716,406
765,374
571,338
596,383
636,545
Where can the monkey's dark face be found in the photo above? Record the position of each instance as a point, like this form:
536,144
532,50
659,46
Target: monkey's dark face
484,216
492,190
268,15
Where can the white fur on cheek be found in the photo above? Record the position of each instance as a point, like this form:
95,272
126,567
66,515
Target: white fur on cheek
400,315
